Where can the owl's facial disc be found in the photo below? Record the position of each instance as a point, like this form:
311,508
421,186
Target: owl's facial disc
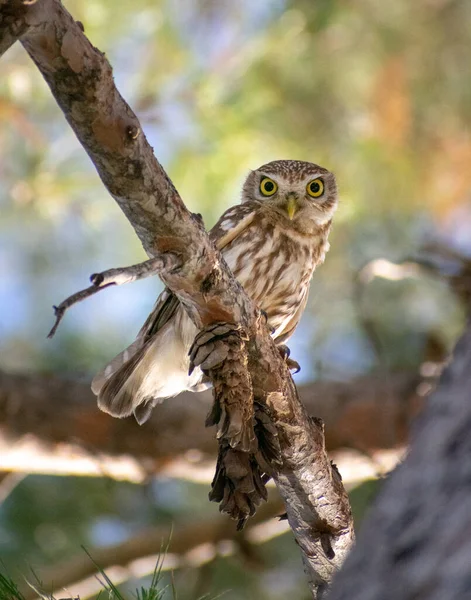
303,195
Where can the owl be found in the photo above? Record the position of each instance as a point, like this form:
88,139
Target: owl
272,241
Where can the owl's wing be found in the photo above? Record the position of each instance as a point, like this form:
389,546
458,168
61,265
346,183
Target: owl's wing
164,309
291,325
232,223
109,384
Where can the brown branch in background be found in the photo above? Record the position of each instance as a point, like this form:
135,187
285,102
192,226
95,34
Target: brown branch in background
185,539
81,81
119,276
44,419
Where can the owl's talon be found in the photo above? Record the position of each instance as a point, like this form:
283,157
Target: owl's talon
290,363
198,217
284,351
264,314
293,365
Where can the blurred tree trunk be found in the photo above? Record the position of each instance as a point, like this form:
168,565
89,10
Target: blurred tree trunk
416,541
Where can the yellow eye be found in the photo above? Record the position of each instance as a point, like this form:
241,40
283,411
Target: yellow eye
268,187
315,188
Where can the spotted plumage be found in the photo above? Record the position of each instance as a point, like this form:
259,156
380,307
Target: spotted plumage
272,242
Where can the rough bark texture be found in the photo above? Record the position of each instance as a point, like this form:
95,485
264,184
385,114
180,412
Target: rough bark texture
416,543
13,22
81,81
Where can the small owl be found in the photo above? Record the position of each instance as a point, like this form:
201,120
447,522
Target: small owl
272,242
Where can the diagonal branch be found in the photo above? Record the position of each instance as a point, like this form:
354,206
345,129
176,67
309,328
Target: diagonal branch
81,81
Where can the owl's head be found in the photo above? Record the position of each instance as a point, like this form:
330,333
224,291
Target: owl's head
301,192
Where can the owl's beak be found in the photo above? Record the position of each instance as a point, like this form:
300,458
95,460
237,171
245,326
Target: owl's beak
291,207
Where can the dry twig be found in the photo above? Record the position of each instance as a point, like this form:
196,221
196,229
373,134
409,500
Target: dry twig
101,281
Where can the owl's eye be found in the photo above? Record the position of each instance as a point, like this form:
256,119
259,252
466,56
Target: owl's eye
315,188
268,187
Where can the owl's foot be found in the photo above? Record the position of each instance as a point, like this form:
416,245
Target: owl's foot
284,351
219,350
291,364
239,482
248,440
198,217
238,485
211,346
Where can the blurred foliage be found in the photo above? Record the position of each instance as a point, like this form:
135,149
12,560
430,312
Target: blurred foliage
377,92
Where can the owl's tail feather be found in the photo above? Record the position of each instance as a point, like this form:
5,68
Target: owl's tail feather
111,368
117,386
147,372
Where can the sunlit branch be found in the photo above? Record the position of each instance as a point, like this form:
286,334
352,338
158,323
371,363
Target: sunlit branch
55,420
112,136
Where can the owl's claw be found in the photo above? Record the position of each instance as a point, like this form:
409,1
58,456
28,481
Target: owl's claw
198,217
284,351
293,365
265,316
219,351
285,355
249,449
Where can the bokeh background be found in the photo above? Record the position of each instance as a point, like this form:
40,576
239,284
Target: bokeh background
377,92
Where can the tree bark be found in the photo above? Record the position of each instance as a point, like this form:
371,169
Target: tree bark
80,78
13,22
416,543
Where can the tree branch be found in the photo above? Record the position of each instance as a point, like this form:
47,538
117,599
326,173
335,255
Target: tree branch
80,79
101,281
